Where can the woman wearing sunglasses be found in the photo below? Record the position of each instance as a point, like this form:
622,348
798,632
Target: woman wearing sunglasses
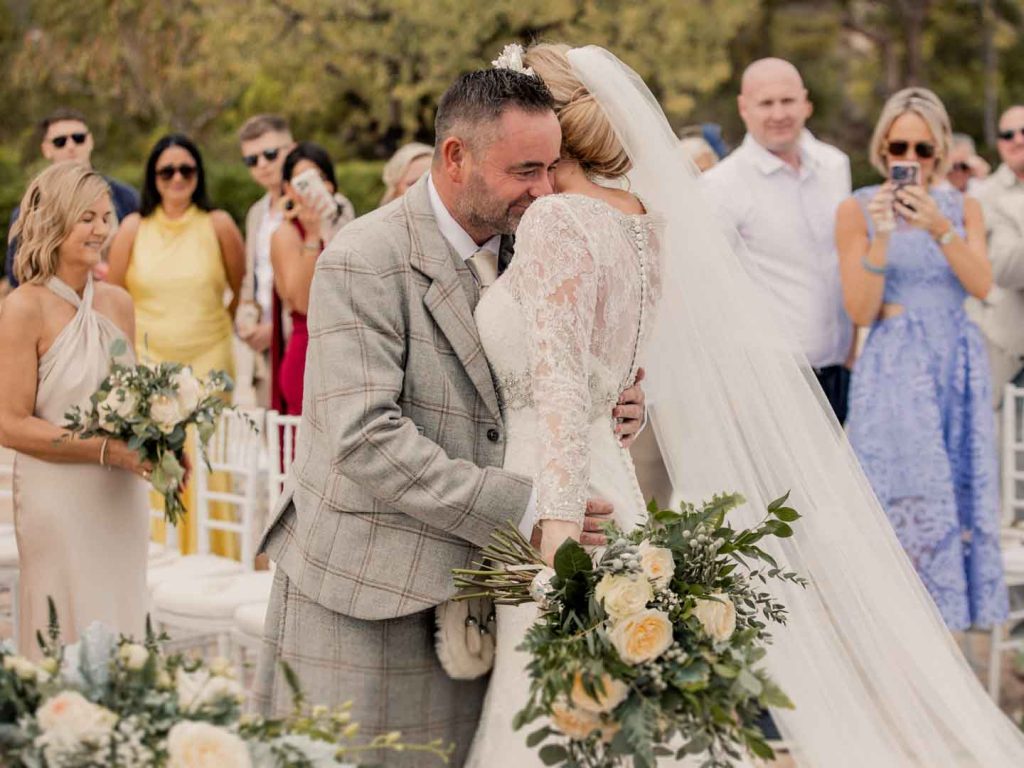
920,417
182,263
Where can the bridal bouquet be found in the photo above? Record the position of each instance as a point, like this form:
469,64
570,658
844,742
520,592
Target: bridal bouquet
109,701
150,407
649,646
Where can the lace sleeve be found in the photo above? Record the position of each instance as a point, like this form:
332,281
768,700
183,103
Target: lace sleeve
556,284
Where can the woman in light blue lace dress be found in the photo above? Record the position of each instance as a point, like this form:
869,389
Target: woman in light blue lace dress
920,416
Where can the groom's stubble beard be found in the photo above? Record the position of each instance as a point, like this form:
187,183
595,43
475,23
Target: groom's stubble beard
482,209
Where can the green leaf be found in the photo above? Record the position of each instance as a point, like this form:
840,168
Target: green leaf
119,348
571,559
773,696
537,737
748,682
787,514
779,502
759,747
696,745
553,754
724,670
779,528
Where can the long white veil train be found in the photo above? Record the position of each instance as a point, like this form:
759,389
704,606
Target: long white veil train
876,677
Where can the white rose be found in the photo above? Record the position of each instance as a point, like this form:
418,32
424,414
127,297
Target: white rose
717,618
200,688
222,667
133,656
69,719
657,563
193,744
165,412
623,595
21,667
119,401
540,587
189,390
642,637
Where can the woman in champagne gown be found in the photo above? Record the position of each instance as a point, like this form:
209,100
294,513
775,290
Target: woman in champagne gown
80,506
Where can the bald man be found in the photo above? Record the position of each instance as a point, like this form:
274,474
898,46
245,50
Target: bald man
779,192
1001,314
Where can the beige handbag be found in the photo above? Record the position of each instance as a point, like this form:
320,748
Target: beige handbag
465,637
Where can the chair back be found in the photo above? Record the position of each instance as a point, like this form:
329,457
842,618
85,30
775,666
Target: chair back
1012,458
282,437
230,480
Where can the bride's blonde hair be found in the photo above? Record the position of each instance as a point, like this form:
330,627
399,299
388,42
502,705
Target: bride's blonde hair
54,202
587,136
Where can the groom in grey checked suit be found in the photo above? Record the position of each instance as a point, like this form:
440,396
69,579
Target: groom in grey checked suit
397,475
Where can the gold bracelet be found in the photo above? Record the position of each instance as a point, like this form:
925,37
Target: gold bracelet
103,453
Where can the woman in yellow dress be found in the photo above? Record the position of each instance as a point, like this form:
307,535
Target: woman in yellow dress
182,263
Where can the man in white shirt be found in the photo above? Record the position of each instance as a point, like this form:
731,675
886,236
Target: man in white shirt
779,191
1001,315
265,141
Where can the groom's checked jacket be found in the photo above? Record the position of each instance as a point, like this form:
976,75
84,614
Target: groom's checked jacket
397,476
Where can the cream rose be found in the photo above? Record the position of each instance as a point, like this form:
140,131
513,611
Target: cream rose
575,723
165,412
122,402
717,618
22,667
657,563
624,595
193,744
133,656
189,390
199,688
642,637
69,719
610,693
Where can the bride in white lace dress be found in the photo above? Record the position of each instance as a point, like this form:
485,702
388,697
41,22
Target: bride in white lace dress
563,329
874,674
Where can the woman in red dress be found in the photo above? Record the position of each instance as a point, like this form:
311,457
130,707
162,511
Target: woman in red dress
311,221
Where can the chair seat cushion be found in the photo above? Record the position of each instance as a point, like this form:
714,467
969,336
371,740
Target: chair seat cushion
249,619
161,555
213,597
189,567
8,551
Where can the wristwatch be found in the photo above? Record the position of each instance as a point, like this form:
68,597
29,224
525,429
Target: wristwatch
946,237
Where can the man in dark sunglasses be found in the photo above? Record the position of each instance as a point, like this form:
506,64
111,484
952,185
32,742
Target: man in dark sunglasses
1001,314
966,167
64,136
265,142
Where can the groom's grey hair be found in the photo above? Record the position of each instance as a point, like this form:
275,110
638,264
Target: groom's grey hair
477,99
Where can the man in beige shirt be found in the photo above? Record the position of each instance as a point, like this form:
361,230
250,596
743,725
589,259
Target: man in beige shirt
1001,314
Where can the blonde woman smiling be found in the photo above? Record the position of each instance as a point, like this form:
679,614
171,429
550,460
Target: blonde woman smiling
80,507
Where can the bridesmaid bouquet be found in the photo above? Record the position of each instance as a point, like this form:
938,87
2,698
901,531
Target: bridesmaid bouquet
150,407
109,701
649,646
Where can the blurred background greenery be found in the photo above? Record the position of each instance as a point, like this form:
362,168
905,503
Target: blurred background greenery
362,76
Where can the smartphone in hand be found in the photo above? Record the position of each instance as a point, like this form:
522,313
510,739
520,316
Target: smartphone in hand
314,191
903,173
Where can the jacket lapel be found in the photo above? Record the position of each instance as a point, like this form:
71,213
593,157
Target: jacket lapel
446,299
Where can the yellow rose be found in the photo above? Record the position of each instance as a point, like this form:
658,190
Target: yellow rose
574,723
657,563
133,656
717,618
624,595
610,693
192,744
642,637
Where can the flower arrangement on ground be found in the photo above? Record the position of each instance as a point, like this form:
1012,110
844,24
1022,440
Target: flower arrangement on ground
651,645
111,702
150,407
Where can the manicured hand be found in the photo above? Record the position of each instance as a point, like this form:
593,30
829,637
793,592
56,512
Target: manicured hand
880,209
629,412
599,512
920,210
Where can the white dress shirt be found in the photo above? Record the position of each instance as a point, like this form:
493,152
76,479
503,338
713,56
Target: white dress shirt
465,246
786,218
269,222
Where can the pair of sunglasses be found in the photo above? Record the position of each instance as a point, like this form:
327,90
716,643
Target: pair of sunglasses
270,155
168,171
923,149
1008,135
60,141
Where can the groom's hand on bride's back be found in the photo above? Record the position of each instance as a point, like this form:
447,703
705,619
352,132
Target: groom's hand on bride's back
629,412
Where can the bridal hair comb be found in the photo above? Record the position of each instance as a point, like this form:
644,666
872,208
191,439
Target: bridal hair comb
511,57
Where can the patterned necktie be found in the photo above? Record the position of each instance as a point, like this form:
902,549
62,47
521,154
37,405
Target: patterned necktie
484,266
